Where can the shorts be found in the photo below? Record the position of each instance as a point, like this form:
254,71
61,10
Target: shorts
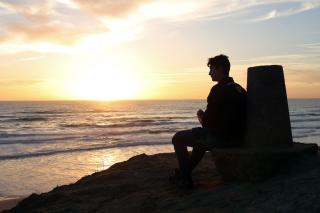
207,138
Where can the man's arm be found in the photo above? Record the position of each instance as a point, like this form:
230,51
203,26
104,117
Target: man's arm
200,115
215,107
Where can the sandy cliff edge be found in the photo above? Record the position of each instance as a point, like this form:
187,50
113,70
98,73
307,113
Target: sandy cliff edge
141,185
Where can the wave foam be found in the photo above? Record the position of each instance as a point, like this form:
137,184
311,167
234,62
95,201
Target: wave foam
80,149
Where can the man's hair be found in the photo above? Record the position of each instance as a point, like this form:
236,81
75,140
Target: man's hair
220,61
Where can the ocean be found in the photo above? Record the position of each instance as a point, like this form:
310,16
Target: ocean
46,144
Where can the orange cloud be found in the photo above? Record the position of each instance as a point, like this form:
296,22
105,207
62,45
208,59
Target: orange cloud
110,8
41,21
35,11
59,33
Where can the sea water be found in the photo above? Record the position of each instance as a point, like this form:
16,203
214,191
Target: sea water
46,144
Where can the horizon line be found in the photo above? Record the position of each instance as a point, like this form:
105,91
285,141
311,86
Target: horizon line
76,100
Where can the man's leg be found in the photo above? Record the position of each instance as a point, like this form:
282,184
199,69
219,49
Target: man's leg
198,152
180,143
181,140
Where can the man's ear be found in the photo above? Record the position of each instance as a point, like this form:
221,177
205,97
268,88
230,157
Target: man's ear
220,69
223,71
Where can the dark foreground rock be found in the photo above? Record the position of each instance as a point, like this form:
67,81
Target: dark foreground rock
141,185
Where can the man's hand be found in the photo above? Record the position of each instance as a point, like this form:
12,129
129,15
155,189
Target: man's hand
200,115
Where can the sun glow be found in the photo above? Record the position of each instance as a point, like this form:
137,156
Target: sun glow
105,82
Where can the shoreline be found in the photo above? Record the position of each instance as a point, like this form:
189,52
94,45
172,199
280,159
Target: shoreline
9,203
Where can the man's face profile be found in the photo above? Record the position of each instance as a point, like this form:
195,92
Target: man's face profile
216,73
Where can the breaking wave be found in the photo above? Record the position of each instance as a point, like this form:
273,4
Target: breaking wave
80,149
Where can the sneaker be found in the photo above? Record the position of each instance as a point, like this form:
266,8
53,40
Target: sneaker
176,176
185,183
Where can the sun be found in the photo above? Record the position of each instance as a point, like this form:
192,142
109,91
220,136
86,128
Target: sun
105,82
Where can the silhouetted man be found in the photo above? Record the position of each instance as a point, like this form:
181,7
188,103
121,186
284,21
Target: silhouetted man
223,122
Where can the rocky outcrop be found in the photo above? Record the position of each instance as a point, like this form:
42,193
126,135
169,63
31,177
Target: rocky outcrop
141,185
255,164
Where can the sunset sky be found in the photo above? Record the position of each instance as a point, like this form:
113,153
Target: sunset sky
144,49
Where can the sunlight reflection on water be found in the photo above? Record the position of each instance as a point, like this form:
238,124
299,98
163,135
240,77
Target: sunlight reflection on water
24,176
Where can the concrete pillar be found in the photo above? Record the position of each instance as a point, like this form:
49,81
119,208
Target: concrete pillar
268,122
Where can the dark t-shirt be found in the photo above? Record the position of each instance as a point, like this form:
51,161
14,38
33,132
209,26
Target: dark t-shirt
226,111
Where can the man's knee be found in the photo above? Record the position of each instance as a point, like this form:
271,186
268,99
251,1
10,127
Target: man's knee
200,148
177,138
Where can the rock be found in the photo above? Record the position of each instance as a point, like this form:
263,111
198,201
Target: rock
141,185
257,164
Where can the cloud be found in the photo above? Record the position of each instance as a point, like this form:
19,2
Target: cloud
185,10
276,13
19,83
33,58
303,73
48,32
33,10
41,21
298,68
313,47
286,60
178,10
110,8
68,22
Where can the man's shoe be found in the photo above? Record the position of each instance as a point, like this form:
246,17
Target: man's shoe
176,176
185,184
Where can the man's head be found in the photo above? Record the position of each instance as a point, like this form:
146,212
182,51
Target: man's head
219,67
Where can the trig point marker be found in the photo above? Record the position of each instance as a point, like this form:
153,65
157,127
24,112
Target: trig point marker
268,122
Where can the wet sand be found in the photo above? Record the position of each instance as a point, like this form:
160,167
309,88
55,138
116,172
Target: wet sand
9,203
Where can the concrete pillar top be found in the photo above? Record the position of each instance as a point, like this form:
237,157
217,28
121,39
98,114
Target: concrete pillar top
268,122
